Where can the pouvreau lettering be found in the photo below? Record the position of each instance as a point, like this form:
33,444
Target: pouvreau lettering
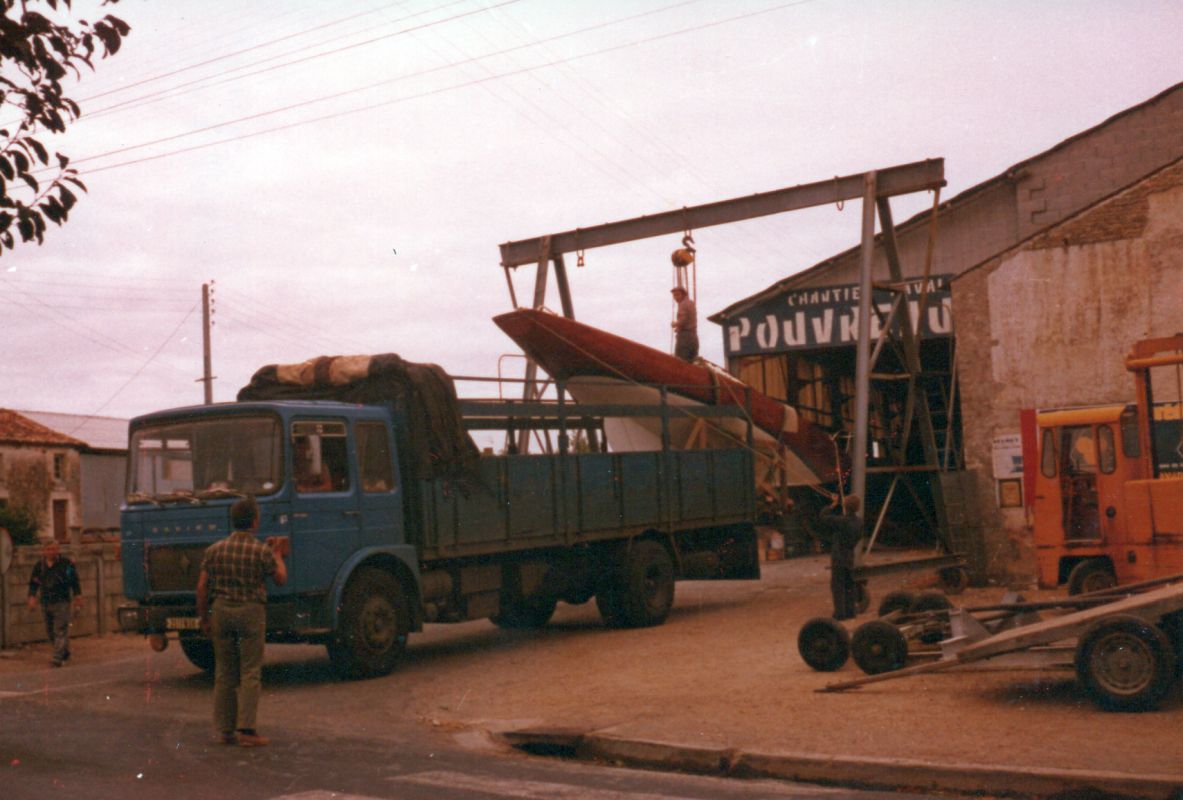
822,327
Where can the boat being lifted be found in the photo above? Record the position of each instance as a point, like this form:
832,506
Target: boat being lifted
597,367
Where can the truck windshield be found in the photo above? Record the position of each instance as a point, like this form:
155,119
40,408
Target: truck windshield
205,458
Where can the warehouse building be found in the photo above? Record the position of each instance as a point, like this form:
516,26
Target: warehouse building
1039,279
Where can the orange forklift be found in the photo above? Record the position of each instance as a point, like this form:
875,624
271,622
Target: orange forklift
1108,500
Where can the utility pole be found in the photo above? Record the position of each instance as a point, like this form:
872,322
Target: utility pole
207,376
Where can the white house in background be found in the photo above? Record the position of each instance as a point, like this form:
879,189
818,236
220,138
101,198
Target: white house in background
40,470
103,464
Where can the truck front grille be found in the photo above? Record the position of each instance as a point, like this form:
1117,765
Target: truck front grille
174,568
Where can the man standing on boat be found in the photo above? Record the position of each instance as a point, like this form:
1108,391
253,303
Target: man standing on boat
685,326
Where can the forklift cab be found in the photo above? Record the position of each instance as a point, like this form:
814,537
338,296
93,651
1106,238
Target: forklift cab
1086,455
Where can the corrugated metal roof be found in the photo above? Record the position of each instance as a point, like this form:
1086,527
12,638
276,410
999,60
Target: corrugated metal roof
99,433
16,428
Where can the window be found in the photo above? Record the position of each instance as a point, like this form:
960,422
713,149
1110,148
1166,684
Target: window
208,457
1079,449
1047,461
59,466
374,458
1106,449
320,457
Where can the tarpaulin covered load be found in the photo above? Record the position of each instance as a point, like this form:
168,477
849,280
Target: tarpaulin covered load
439,445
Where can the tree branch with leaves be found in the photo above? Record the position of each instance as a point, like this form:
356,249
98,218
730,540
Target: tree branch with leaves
37,52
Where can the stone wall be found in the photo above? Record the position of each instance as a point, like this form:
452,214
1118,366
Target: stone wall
101,576
1048,323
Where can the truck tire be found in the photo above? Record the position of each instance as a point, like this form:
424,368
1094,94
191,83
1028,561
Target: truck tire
823,644
640,592
199,651
372,629
525,613
1091,575
1125,663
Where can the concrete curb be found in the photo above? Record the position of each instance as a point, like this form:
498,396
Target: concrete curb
881,773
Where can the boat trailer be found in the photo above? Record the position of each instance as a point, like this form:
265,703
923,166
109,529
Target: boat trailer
1124,643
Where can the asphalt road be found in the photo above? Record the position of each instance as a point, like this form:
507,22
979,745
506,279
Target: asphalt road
138,727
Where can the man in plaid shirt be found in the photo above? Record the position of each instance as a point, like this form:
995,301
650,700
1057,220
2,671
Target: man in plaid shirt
233,580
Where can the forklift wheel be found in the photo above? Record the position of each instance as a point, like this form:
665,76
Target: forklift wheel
823,644
879,646
1090,575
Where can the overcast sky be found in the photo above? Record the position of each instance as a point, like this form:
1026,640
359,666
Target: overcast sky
344,172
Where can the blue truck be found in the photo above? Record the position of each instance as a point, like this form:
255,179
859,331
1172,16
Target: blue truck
386,529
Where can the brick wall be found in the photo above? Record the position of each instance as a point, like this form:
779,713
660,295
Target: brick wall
100,574
1048,323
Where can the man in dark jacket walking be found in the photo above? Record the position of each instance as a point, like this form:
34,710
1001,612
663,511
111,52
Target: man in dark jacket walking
52,583
845,531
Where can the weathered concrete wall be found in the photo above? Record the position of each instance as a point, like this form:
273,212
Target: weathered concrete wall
101,576
1048,323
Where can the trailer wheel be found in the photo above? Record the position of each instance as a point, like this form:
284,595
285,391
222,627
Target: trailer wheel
199,651
823,644
526,613
1125,663
1091,575
954,580
640,592
899,600
878,646
931,601
375,619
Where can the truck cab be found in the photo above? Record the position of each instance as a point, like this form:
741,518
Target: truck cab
325,479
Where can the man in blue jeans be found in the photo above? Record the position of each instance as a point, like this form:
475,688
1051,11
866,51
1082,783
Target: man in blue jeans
53,580
233,580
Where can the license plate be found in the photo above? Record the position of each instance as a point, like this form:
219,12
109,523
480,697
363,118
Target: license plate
183,623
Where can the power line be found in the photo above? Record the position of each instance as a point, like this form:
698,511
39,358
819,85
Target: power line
139,371
387,82
336,51
259,46
427,93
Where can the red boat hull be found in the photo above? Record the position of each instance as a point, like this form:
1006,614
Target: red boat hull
597,366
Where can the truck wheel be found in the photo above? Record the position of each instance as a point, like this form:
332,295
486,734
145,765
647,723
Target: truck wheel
1091,575
878,646
525,613
372,630
199,651
823,644
641,592
899,600
1125,663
